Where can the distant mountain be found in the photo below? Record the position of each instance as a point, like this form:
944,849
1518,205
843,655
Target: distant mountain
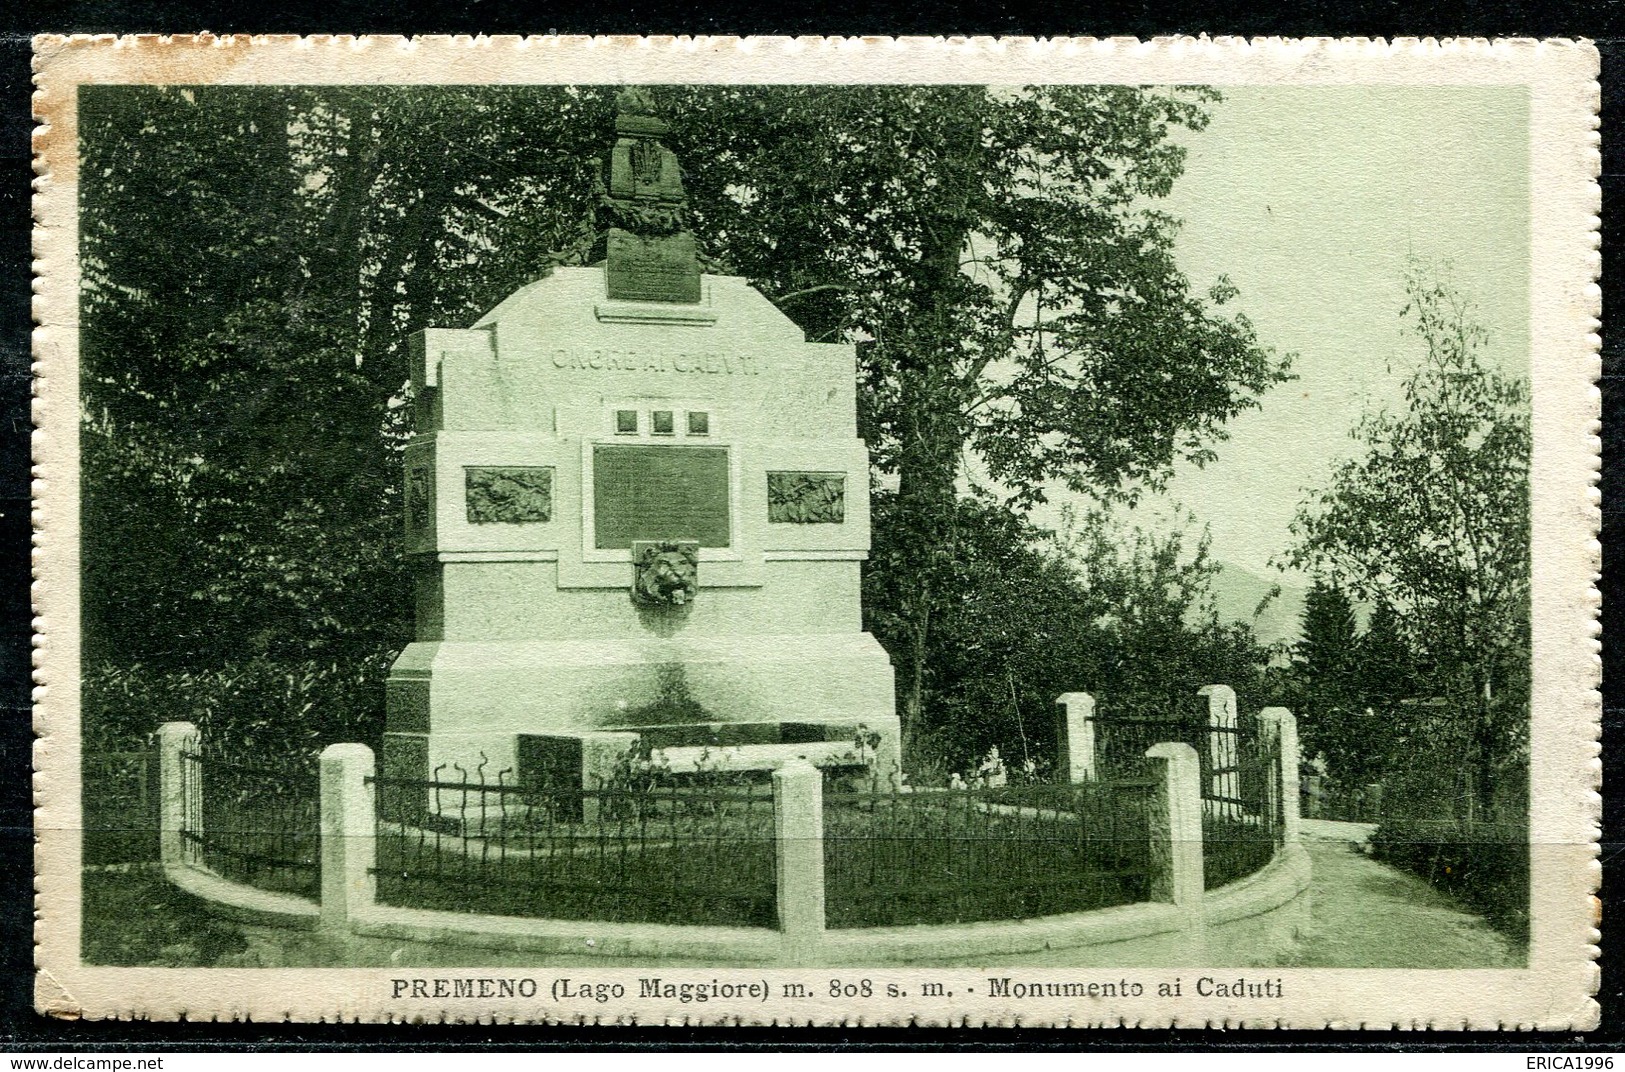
1238,591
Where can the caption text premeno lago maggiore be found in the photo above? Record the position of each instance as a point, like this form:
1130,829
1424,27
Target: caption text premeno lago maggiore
574,989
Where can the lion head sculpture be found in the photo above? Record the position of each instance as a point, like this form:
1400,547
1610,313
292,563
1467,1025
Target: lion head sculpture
665,573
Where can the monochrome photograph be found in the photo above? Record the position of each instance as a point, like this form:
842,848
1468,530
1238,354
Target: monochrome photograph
882,548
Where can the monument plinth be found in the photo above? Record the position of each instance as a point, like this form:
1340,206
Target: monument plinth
634,520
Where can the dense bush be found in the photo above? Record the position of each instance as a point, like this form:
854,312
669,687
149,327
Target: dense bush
1484,865
260,706
120,817
1433,827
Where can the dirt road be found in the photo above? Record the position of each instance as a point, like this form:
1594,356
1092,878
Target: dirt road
1368,915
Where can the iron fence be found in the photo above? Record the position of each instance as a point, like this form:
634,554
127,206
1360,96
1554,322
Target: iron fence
1121,740
119,793
1243,822
700,854
255,823
960,855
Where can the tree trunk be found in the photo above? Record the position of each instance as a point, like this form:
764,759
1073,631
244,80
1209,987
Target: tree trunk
926,505
931,428
1484,773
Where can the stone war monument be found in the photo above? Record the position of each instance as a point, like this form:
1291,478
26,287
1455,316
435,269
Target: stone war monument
637,506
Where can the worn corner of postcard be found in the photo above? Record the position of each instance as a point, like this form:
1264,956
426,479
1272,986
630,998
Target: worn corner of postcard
822,531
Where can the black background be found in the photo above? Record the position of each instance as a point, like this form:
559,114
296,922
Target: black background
21,1029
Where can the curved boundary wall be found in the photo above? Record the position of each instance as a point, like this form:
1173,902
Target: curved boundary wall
1184,925
1237,925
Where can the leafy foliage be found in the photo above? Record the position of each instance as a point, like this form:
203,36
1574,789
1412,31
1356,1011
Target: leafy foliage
1431,525
253,707
255,258
1098,607
993,250
1014,294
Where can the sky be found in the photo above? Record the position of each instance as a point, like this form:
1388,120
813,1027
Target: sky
1311,201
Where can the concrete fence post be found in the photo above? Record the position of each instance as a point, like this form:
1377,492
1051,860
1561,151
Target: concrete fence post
1076,724
349,834
1176,841
1176,832
1225,780
798,822
1286,735
176,793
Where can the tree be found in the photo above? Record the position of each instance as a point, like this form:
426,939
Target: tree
1387,669
1154,622
996,254
1098,607
255,258
1433,523
1326,649
1329,702
1000,653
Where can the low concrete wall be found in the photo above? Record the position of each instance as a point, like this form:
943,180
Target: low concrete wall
1263,914
1128,935
587,938
245,904
1242,923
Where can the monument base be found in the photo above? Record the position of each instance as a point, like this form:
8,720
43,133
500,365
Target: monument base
567,711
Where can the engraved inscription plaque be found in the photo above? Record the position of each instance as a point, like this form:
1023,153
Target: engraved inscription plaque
660,493
656,268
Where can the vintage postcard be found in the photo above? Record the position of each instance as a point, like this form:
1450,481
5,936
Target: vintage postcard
980,532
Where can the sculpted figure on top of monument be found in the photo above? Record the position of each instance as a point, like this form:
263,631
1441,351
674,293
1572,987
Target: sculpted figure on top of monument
640,166
635,112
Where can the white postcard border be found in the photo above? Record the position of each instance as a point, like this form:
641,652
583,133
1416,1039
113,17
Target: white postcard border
1554,992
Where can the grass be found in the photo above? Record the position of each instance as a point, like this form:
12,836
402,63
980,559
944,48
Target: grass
890,859
135,917
681,864
925,858
1483,865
